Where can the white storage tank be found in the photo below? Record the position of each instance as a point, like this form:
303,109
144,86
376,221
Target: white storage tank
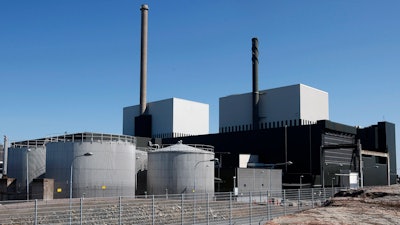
102,165
181,168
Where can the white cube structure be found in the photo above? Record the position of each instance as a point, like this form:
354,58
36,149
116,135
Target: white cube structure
172,117
290,105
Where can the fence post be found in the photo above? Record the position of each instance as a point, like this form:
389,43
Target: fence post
36,215
250,209
81,208
194,208
153,210
268,212
230,208
298,199
182,209
120,210
284,200
312,197
208,210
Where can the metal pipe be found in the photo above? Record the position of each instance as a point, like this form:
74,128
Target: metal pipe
361,163
256,95
388,168
27,173
143,59
5,157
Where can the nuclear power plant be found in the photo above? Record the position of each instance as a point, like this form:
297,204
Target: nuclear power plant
166,147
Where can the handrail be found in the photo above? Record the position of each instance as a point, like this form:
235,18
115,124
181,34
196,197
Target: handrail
77,137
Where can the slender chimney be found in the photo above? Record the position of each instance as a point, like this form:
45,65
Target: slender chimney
143,59
5,157
256,95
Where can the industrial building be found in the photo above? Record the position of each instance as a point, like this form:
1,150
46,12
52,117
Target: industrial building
291,106
172,117
281,125
269,139
321,153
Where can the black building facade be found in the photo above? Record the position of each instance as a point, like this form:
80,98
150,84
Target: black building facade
319,152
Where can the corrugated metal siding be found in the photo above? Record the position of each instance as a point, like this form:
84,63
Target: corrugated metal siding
340,155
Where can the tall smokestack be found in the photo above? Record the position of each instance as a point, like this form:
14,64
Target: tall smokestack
256,95
143,59
143,122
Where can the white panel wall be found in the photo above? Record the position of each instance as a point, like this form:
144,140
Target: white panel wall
170,116
162,116
279,105
235,110
190,117
314,104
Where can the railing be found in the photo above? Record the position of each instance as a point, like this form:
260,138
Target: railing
217,208
77,137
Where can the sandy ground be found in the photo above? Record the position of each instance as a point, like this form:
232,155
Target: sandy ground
372,205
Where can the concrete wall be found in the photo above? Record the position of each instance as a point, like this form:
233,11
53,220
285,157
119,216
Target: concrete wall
254,179
172,117
42,189
291,105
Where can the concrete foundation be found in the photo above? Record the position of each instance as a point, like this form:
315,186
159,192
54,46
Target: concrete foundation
8,188
43,189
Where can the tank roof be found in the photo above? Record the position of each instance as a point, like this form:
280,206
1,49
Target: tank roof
180,147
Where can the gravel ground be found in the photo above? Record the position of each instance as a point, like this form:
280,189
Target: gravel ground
371,205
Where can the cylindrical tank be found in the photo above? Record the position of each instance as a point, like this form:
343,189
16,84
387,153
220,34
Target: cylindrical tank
109,169
181,168
26,162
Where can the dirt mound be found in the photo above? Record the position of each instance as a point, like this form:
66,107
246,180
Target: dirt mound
373,205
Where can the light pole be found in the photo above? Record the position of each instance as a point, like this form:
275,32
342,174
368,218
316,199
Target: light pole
195,166
286,149
27,173
70,184
234,183
332,182
301,177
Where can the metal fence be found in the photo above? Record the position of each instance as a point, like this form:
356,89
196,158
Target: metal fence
217,208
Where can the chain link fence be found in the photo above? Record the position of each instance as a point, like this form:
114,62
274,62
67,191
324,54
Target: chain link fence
217,208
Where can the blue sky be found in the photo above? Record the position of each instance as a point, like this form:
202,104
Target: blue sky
71,66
